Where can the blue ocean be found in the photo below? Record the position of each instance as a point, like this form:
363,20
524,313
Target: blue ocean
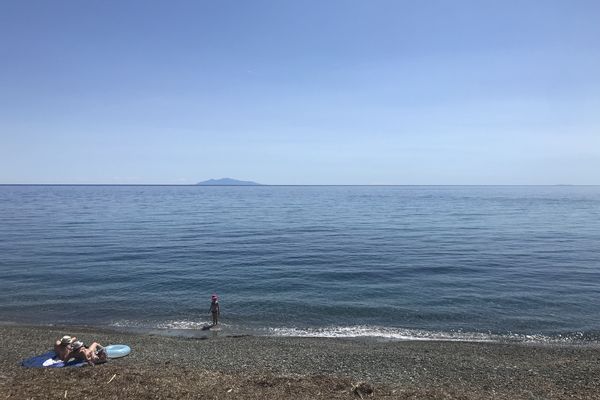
474,263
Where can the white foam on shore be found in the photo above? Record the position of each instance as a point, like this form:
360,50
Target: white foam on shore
358,331
167,325
415,334
182,324
381,332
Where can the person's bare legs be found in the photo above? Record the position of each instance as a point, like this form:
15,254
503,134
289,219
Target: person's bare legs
99,349
94,346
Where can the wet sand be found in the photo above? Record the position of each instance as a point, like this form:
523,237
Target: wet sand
250,367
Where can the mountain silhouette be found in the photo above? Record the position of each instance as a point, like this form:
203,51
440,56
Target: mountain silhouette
227,182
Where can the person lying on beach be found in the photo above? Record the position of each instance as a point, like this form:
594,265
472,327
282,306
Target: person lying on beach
214,308
63,347
92,354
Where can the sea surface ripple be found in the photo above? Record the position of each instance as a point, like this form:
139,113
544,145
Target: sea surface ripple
440,262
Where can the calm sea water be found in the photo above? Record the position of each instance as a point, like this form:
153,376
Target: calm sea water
469,263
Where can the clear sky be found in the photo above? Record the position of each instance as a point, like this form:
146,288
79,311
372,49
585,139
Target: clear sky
300,92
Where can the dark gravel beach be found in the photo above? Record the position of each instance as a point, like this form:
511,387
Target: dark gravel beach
298,368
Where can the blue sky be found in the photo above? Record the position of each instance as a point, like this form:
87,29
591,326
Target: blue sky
300,92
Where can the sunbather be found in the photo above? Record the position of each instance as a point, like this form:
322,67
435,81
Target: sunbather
92,354
63,347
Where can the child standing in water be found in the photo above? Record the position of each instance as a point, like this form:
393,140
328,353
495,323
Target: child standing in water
214,308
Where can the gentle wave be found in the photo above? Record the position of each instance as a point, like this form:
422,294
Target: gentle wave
381,332
164,325
423,335
359,331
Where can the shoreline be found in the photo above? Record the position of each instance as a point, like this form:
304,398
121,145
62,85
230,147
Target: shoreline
298,367
380,334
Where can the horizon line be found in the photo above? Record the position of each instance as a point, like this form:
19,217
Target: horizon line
271,185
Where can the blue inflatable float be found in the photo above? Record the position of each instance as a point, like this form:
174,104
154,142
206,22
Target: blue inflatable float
117,350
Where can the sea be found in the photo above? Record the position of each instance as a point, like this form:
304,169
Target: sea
468,263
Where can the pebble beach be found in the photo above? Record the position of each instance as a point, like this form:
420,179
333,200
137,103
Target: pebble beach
255,367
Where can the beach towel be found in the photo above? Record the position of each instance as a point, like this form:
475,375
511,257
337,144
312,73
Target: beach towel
47,360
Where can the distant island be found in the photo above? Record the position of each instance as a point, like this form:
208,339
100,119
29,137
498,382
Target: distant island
227,182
